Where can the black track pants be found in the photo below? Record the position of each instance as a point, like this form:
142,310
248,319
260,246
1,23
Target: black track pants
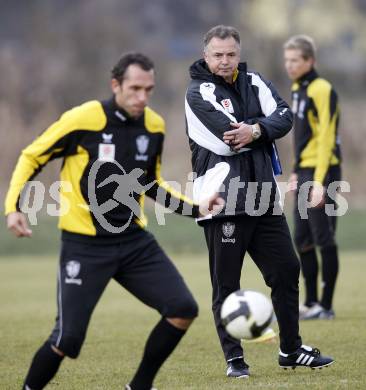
267,240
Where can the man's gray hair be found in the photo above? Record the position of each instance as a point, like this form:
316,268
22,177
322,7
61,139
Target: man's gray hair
304,43
221,32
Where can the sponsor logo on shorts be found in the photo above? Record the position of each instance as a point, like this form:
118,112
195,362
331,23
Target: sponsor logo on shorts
72,271
228,229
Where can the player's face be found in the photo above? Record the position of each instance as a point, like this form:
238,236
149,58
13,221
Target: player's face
222,57
296,65
135,90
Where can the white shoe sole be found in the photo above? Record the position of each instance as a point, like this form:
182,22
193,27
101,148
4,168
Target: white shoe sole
238,377
313,368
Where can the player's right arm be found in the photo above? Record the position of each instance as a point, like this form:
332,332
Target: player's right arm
17,223
32,159
55,141
50,144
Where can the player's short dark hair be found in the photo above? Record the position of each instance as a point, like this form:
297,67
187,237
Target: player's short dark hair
302,42
221,32
133,58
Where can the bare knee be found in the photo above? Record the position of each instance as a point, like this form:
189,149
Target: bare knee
180,323
57,351
70,346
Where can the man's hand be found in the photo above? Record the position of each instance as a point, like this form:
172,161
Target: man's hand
240,136
212,205
317,195
292,182
17,223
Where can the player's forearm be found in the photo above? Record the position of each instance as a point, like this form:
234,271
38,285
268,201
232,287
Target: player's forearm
26,168
172,199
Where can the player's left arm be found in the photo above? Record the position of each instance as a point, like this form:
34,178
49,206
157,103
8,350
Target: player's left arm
326,104
173,199
166,195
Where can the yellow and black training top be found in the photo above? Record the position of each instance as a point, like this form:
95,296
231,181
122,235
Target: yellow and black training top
100,144
316,118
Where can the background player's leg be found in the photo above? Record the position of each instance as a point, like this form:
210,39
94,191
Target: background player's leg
303,238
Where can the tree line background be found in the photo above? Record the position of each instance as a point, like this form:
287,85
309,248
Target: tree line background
57,54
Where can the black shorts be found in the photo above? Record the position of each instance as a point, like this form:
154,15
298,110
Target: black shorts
137,263
319,228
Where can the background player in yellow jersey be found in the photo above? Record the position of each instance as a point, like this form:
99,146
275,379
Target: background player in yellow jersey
318,158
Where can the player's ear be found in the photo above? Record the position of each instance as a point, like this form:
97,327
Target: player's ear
115,85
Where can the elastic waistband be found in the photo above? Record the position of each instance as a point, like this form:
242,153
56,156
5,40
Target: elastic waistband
127,235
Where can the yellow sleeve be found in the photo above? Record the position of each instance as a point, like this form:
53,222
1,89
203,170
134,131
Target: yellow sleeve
325,101
50,144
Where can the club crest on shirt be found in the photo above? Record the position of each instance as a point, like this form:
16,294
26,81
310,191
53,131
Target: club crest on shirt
142,144
228,106
228,229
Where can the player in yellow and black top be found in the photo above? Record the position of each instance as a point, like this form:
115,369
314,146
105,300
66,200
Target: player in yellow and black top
318,159
111,154
100,131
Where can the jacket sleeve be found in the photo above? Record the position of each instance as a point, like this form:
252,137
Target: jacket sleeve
166,195
52,143
277,119
206,119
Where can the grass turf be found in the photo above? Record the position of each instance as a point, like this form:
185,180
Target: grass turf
121,324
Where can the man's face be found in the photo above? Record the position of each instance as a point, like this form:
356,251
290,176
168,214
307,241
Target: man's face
135,90
222,57
296,65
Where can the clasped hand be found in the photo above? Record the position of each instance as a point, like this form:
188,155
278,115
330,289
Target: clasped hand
240,136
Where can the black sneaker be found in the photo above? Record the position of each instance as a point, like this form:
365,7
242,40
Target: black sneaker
237,368
304,357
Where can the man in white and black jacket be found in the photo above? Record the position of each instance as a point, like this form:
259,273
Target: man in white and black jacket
233,118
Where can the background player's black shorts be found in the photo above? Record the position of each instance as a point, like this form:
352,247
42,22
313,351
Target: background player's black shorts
319,228
137,263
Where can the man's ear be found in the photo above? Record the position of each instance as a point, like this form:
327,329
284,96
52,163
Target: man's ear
115,85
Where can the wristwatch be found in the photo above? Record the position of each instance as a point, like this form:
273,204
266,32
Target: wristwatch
256,131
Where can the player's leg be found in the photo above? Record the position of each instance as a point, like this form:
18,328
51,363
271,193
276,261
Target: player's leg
148,274
272,250
305,246
83,274
323,230
226,241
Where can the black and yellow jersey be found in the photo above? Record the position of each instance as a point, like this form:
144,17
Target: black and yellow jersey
99,141
316,117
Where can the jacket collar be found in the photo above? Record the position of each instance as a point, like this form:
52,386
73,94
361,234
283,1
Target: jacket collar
199,70
307,78
118,113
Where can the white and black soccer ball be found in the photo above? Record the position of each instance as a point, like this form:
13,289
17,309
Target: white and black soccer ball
246,314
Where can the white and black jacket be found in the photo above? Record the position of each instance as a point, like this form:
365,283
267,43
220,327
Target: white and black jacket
211,104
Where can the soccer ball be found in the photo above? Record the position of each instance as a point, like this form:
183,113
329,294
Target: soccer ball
246,314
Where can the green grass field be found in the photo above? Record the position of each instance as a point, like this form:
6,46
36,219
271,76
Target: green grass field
121,324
